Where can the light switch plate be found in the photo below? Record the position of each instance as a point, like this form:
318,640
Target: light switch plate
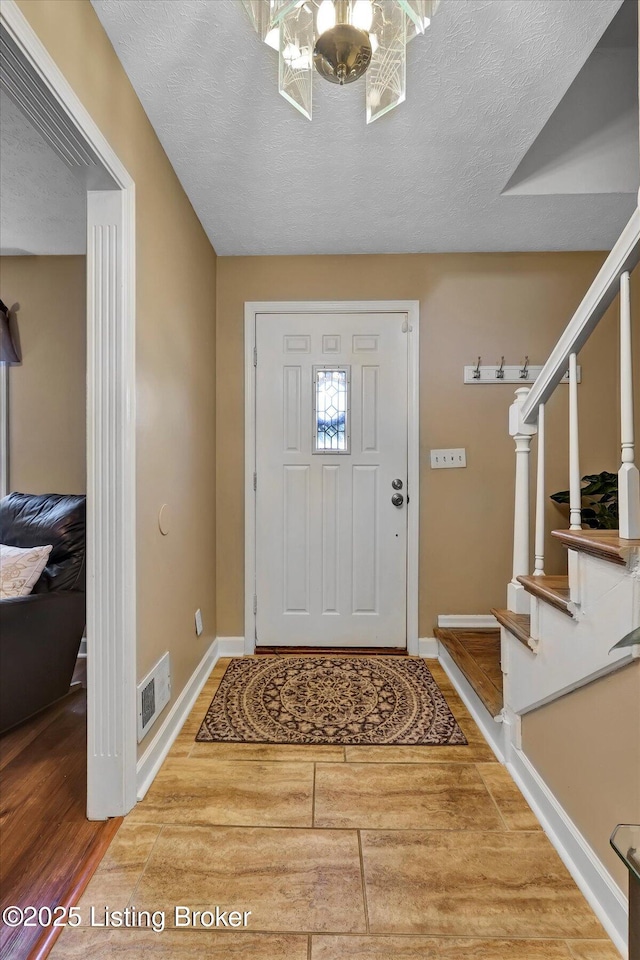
447,459
199,627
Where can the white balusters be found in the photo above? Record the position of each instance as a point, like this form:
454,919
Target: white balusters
628,477
517,598
540,498
575,489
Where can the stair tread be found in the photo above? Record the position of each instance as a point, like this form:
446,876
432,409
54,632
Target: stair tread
519,624
605,544
464,647
552,589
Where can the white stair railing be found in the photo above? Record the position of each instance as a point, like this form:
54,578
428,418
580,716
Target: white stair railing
538,566
522,433
527,416
628,477
575,494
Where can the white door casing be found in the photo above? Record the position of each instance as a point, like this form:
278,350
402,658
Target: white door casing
331,561
48,100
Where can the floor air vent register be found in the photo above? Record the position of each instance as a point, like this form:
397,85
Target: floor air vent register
154,693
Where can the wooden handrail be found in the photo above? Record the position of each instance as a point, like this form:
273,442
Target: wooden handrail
598,298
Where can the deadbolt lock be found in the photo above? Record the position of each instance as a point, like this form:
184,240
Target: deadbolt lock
396,484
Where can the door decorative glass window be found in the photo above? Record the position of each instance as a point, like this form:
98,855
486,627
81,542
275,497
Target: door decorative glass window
331,400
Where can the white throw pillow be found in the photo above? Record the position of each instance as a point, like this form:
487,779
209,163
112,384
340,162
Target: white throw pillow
20,568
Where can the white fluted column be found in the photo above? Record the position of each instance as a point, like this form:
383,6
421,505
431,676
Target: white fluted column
4,429
540,499
575,487
628,477
517,599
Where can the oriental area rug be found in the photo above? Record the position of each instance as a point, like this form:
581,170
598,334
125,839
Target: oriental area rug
330,700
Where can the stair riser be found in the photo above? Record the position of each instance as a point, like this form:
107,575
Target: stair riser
609,590
524,692
573,651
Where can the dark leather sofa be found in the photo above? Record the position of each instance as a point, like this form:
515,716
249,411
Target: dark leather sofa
40,634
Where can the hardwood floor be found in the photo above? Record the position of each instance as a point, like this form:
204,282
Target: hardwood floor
366,853
48,847
477,653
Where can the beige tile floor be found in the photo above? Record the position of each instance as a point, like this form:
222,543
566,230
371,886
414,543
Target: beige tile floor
367,853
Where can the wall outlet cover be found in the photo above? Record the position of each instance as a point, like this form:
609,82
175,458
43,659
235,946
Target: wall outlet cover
199,627
448,459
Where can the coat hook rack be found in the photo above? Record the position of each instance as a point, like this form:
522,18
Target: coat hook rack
504,372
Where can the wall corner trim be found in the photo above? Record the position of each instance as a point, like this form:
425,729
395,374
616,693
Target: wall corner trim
155,754
428,648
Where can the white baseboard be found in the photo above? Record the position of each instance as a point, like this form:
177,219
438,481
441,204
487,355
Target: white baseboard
467,621
491,729
604,896
601,891
230,647
428,648
155,754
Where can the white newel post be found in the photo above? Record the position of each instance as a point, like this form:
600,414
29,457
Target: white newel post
538,570
628,477
517,598
575,487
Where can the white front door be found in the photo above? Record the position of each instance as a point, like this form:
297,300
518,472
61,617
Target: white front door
331,479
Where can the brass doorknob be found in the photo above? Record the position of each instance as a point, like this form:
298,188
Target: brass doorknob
397,499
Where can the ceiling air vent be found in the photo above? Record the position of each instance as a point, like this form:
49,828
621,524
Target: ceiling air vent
154,693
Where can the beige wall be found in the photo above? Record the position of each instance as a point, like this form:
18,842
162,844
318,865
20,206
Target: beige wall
470,304
175,342
586,747
47,393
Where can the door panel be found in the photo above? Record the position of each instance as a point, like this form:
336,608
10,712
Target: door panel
364,514
369,407
296,539
330,538
330,544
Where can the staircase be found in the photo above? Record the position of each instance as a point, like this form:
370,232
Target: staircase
565,640
557,631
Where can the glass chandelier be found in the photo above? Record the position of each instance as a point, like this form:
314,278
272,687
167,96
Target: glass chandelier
342,40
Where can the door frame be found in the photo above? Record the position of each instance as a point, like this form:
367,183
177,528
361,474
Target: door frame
411,310
56,110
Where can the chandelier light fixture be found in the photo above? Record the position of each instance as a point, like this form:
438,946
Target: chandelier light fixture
342,40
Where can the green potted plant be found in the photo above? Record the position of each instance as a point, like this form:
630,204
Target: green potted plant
629,641
599,500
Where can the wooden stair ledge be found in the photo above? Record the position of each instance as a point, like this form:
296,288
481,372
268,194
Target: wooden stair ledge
519,624
604,544
462,646
553,590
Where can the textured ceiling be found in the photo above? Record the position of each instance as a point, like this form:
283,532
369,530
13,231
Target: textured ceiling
43,203
482,83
